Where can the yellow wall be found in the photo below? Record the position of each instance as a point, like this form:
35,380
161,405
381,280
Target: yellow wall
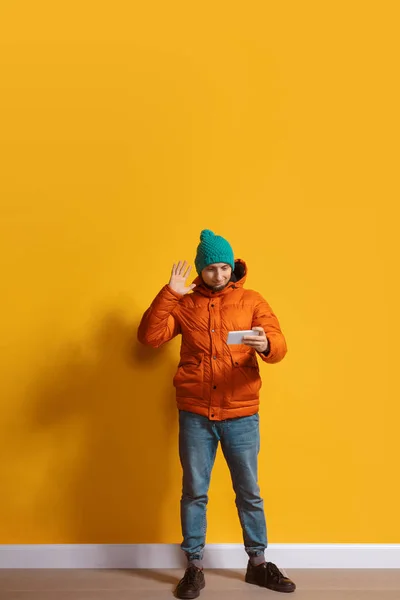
127,127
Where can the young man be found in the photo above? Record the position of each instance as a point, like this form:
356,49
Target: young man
217,389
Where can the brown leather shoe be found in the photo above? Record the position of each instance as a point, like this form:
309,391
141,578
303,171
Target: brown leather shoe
191,584
268,575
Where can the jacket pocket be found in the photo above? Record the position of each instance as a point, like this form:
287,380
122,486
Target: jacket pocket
244,360
246,380
188,379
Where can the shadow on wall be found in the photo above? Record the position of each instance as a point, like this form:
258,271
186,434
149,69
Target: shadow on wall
106,415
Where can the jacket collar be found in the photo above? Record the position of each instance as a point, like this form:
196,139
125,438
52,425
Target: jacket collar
238,279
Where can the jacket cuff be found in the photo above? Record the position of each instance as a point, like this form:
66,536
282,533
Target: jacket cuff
267,352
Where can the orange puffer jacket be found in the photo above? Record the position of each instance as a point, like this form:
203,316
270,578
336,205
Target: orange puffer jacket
214,379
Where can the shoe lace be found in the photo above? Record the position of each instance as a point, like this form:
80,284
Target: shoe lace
191,575
274,571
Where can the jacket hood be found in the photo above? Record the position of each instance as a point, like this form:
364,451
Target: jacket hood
238,279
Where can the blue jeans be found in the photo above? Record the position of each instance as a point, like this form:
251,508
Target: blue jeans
240,443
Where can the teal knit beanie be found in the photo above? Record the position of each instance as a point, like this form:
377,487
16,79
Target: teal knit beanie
213,249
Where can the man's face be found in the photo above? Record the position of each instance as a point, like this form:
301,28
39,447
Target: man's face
217,276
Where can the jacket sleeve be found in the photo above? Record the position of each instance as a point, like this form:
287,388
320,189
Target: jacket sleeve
265,318
158,324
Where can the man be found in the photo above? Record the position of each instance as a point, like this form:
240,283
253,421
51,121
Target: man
217,389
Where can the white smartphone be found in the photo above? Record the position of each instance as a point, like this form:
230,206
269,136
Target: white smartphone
236,337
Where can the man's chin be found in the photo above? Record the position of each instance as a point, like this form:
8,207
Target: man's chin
216,288
219,288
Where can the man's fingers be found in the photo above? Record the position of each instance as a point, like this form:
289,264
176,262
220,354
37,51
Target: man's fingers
181,267
253,342
254,338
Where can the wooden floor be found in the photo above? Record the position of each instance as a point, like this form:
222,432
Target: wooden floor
80,584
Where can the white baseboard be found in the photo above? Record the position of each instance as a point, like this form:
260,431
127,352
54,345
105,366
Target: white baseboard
217,556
